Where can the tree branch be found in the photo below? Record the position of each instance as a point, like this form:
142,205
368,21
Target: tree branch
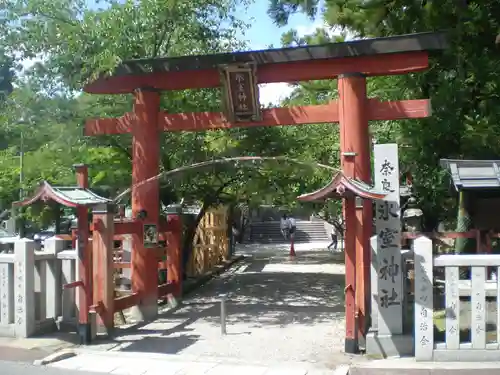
50,17
119,147
228,160
169,22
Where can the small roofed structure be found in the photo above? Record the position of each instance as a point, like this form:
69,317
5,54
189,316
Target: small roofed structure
73,196
340,187
473,174
480,181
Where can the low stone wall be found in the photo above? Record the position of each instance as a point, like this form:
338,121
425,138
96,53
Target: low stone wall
32,299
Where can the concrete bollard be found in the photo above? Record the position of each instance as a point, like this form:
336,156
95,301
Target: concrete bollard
223,330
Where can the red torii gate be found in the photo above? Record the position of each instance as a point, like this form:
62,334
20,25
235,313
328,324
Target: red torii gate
350,62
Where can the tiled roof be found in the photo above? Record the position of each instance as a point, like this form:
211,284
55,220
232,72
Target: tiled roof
73,196
339,185
473,174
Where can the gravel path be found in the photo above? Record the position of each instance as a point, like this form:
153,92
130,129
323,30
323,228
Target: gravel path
278,311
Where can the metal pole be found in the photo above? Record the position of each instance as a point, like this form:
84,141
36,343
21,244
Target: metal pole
21,167
20,220
223,316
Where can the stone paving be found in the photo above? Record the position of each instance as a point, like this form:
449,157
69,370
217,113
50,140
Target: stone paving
34,348
279,313
276,311
408,365
121,363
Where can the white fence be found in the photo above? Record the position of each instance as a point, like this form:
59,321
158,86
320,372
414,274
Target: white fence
474,316
32,300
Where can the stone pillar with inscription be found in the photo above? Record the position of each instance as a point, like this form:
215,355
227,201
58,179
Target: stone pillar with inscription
24,287
386,272
388,224
424,318
6,295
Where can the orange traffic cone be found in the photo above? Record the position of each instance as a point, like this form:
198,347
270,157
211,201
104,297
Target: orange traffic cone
292,249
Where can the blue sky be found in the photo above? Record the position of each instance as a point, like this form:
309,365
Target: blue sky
264,32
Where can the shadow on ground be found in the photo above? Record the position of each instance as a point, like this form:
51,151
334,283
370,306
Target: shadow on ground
263,294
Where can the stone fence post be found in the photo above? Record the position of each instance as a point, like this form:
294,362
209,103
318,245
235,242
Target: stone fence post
53,288
24,287
68,275
424,308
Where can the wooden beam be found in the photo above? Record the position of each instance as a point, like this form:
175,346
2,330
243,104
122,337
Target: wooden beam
110,125
128,227
127,265
375,65
299,115
440,235
126,302
165,289
399,109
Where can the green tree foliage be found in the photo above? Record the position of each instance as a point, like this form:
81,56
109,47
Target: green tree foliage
6,76
75,44
462,83
83,43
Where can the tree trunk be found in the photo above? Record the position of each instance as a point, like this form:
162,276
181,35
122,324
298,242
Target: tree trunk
464,224
57,218
230,224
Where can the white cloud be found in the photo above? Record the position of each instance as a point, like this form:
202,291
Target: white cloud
274,93
28,63
303,30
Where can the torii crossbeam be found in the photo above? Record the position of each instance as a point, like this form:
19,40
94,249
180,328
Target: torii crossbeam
298,115
351,63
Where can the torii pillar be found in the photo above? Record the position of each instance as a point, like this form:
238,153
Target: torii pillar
145,197
355,162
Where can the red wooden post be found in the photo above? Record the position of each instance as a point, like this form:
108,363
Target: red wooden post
353,114
102,244
351,342
174,269
145,197
84,259
478,241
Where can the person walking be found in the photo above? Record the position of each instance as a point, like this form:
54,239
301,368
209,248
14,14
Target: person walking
284,226
334,237
291,226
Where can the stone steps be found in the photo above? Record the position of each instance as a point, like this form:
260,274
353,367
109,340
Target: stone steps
270,232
